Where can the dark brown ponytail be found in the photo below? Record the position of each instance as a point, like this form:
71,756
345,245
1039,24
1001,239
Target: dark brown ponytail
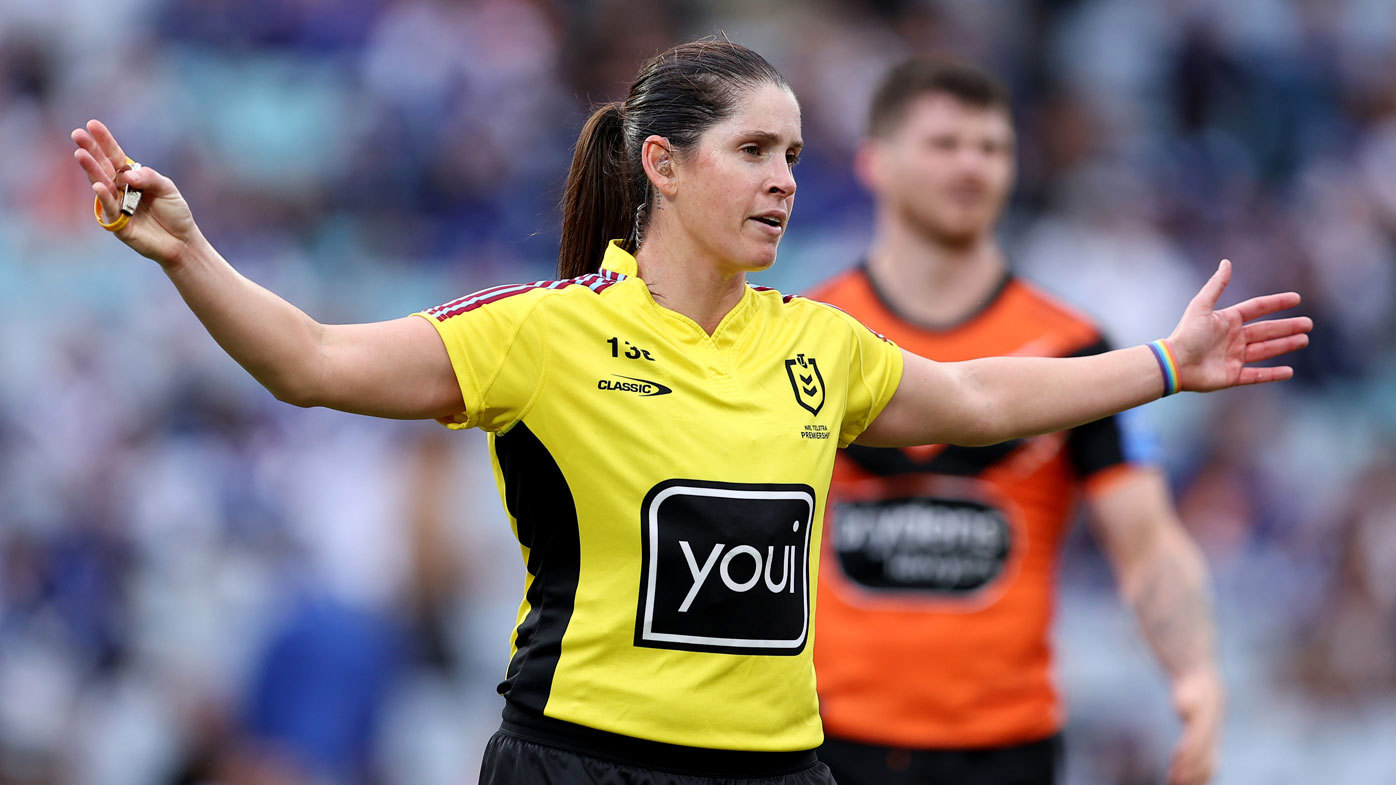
599,205
678,95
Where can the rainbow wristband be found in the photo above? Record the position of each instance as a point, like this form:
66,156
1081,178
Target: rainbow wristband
1168,365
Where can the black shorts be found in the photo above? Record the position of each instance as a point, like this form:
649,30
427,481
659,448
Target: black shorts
530,750
855,763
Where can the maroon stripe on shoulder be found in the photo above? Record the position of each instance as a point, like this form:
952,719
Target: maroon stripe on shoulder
481,293
594,281
786,298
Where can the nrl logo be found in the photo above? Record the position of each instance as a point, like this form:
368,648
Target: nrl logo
807,382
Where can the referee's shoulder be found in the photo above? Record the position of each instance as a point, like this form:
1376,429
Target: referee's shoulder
786,304
806,308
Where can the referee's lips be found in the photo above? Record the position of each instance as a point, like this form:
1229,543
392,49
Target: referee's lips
772,221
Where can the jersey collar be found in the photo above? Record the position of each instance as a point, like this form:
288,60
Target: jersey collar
979,310
618,260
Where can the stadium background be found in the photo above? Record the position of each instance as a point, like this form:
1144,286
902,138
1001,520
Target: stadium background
199,584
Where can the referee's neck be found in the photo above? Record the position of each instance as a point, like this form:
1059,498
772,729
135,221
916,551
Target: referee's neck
691,283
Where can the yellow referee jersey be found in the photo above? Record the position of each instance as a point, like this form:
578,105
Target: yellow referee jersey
667,488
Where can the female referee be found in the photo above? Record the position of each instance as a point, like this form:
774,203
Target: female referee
663,433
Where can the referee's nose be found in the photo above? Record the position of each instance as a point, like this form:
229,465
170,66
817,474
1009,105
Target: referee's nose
782,181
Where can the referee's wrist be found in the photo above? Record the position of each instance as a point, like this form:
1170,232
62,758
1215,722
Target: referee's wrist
1167,365
196,252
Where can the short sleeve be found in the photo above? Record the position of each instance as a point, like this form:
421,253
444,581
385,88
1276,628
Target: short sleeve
499,352
874,371
1125,439
1109,442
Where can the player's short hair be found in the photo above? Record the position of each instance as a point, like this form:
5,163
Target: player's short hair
920,76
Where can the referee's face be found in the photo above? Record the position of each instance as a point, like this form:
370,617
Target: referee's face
946,169
735,189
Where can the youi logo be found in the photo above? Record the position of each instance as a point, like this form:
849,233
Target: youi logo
725,567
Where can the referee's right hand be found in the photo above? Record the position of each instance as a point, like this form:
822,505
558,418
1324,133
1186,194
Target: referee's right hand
162,227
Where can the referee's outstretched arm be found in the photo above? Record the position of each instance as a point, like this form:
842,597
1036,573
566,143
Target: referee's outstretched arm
995,399
401,369
397,368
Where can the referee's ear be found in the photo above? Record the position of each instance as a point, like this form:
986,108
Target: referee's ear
657,156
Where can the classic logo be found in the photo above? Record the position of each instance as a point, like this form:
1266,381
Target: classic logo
725,567
949,547
807,382
641,387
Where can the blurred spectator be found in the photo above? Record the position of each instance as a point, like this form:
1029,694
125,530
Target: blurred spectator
1344,652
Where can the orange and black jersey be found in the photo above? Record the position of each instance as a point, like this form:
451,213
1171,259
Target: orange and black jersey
936,597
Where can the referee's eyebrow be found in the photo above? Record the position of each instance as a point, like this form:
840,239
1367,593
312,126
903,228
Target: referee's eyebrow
769,138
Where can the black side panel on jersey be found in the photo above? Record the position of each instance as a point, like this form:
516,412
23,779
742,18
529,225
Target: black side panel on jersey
1098,445
953,460
1092,447
541,503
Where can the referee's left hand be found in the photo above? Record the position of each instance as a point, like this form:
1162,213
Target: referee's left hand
1214,348
1198,699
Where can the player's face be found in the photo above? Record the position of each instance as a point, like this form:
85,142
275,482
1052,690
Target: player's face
946,169
735,187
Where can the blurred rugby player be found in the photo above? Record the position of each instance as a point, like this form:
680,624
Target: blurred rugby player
934,655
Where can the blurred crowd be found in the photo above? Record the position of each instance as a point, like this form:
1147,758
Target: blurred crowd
199,584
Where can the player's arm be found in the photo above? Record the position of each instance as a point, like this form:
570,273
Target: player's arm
397,368
1164,579
994,399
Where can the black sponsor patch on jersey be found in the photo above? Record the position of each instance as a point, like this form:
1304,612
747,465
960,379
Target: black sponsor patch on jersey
725,567
951,547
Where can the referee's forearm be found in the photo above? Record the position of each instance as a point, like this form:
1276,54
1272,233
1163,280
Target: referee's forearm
1028,396
272,339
